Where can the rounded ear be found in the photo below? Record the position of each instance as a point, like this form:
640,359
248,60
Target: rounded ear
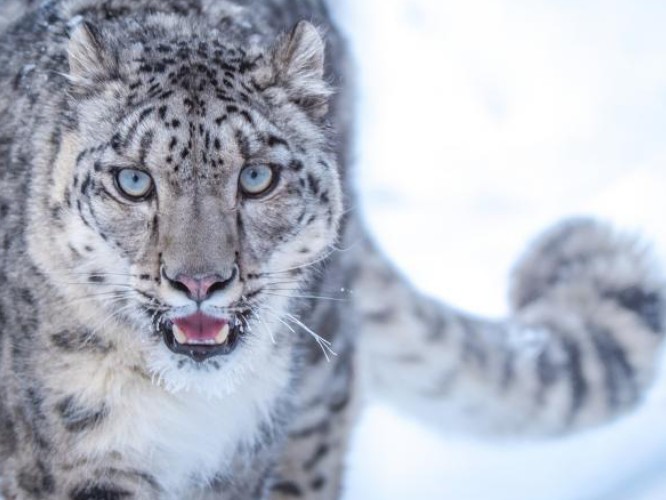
89,59
298,59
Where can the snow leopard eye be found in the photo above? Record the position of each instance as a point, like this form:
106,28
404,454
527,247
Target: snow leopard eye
256,179
134,184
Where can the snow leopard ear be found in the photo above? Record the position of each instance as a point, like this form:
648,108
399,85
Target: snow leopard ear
299,65
89,60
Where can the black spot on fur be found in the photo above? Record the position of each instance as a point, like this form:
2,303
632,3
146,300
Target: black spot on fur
321,452
287,488
318,483
56,213
296,165
98,492
313,184
247,117
145,113
243,143
273,141
340,402
27,297
80,156
647,305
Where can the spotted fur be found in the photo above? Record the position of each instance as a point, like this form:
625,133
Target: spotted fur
93,405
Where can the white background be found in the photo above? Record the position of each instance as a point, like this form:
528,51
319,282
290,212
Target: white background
480,123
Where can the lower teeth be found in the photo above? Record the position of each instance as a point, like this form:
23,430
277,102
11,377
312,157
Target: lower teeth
202,342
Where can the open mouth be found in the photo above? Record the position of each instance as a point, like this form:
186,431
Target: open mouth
201,337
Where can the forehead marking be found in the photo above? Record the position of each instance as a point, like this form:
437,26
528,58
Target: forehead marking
131,131
145,145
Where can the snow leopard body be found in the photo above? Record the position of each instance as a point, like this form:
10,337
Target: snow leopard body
95,400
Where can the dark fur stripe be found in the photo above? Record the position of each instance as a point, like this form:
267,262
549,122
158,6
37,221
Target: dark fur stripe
319,454
131,132
78,419
90,492
647,305
78,341
288,488
144,147
579,387
619,375
547,373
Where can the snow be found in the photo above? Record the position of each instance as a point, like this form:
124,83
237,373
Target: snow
481,123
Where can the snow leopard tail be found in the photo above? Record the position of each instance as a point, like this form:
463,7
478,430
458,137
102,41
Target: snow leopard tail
580,348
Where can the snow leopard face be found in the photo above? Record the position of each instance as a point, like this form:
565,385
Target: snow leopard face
193,189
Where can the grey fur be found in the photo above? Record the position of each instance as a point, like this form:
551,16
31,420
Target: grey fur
93,405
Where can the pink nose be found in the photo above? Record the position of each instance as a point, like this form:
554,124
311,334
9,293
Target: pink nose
200,287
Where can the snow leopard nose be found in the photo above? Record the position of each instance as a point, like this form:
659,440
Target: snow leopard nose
199,287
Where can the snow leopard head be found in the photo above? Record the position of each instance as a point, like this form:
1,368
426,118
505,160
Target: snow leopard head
194,186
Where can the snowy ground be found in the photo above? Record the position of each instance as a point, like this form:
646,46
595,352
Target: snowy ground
481,123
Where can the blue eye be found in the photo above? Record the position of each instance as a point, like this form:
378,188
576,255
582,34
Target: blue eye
255,179
134,183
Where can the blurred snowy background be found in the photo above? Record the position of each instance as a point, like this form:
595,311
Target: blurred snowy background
480,123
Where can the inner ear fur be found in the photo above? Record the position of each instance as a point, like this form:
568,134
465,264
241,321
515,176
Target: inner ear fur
90,60
298,59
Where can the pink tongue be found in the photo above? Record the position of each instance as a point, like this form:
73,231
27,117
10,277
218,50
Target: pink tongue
199,326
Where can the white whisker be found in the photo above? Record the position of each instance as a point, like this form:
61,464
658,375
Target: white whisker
312,297
325,345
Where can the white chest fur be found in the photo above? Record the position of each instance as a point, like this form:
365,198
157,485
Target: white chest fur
181,438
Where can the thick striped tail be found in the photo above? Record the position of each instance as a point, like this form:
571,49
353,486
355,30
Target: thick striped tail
580,348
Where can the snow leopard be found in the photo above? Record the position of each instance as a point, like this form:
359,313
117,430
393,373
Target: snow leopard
191,307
